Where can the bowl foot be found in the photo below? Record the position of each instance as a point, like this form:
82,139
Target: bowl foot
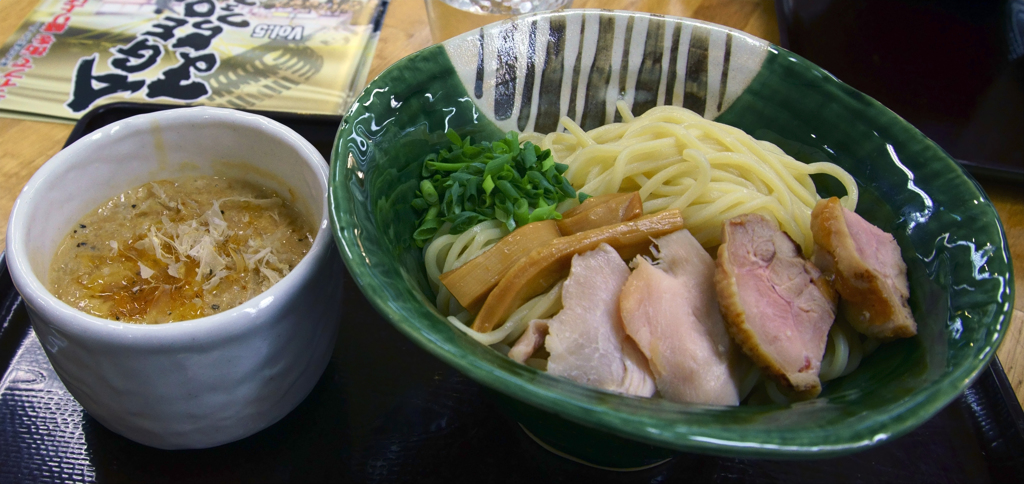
578,460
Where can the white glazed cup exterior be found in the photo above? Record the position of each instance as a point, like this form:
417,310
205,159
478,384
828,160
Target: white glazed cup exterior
188,384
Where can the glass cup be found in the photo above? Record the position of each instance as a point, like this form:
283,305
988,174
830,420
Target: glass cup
449,18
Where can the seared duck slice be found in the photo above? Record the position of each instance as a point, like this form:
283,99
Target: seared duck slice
777,306
866,268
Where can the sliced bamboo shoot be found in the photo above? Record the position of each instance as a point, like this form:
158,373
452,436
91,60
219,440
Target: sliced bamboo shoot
474,280
548,264
601,210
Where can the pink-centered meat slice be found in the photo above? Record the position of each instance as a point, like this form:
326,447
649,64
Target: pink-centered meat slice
777,306
866,267
585,339
530,341
671,312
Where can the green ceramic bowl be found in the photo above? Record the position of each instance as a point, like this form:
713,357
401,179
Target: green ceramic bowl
578,63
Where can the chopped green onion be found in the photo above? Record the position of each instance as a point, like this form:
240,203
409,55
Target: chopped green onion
529,185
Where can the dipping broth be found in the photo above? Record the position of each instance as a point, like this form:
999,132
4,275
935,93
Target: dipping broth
179,249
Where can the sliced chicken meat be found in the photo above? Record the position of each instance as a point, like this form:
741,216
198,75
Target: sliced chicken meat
531,340
585,339
866,268
777,305
670,310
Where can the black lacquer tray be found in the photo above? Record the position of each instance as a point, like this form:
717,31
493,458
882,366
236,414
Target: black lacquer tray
952,68
384,410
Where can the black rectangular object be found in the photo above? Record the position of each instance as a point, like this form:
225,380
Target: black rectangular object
385,410
952,68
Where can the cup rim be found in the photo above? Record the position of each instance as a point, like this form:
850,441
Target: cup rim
62,316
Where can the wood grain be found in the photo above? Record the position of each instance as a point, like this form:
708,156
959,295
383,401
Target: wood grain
1008,198
25,145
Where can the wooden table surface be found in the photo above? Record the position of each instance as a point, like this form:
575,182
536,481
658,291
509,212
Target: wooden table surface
25,145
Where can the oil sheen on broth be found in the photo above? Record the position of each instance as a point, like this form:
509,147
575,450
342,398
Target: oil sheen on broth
179,249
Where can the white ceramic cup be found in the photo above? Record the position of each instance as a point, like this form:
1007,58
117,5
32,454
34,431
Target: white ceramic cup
188,384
